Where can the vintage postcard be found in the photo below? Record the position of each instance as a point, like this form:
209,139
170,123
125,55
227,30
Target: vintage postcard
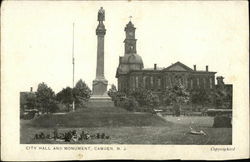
89,80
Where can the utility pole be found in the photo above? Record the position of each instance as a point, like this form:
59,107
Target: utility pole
73,62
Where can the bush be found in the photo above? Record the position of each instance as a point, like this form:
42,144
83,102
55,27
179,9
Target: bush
137,100
129,104
222,122
118,98
176,110
29,115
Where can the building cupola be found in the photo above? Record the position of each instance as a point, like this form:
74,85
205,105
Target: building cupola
130,41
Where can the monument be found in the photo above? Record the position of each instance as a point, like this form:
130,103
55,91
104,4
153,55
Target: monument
100,97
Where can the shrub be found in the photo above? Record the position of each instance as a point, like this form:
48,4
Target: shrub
118,97
129,104
29,115
222,122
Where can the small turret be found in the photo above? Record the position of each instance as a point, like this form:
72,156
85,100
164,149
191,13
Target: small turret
220,81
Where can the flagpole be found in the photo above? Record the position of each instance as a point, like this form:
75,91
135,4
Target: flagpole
73,62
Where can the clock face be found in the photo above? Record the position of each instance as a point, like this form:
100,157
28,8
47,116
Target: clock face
130,33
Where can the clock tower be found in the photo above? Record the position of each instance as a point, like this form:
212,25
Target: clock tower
130,61
130,41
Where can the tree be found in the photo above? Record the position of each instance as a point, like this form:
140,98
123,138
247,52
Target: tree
81,93
222,99
118,98
45,97
140,96
154,101
176,96
145,98
201,97
112,92
65,96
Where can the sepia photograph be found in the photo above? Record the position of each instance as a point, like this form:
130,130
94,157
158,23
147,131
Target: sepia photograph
105,73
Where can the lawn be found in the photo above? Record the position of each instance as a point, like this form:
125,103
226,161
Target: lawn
194,121
126,128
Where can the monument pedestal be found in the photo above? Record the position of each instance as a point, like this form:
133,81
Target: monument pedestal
100,97
100,101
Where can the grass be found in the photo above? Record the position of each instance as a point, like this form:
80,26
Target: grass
127,128
96,118
194,121
139,135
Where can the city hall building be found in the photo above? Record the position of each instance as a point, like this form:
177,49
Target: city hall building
131,73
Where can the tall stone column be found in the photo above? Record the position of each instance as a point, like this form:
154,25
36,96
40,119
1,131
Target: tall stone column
100,97
100,32
100,83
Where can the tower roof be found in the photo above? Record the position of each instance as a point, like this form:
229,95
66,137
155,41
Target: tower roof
131,59
130,26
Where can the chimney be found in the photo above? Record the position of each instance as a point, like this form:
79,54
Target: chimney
206,68
194,67
155,66
31,89
220,81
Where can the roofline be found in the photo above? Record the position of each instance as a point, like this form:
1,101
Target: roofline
162,70
204,72
178,62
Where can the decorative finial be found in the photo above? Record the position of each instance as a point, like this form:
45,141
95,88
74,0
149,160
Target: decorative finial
130,17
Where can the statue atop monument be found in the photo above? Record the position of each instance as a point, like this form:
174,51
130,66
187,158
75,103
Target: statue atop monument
101,14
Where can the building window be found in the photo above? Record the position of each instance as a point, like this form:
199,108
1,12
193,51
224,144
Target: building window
144,82
211,83
191,83
180,81
151,82
122,85
204,83
119,84
170,82
166,80
198,82
147,82
159,83
133,82
136,82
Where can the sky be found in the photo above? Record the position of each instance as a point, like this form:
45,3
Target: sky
37,39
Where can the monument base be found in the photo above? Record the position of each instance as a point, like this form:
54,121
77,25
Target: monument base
100,101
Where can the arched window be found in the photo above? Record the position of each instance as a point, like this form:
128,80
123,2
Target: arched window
204,83
133,82
191,83
198,82
166,82
151,82
159,83
119,84
147,82
210,83
170,82
144,81
136,82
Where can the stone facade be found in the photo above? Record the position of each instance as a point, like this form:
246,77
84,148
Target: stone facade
24,97
131,73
